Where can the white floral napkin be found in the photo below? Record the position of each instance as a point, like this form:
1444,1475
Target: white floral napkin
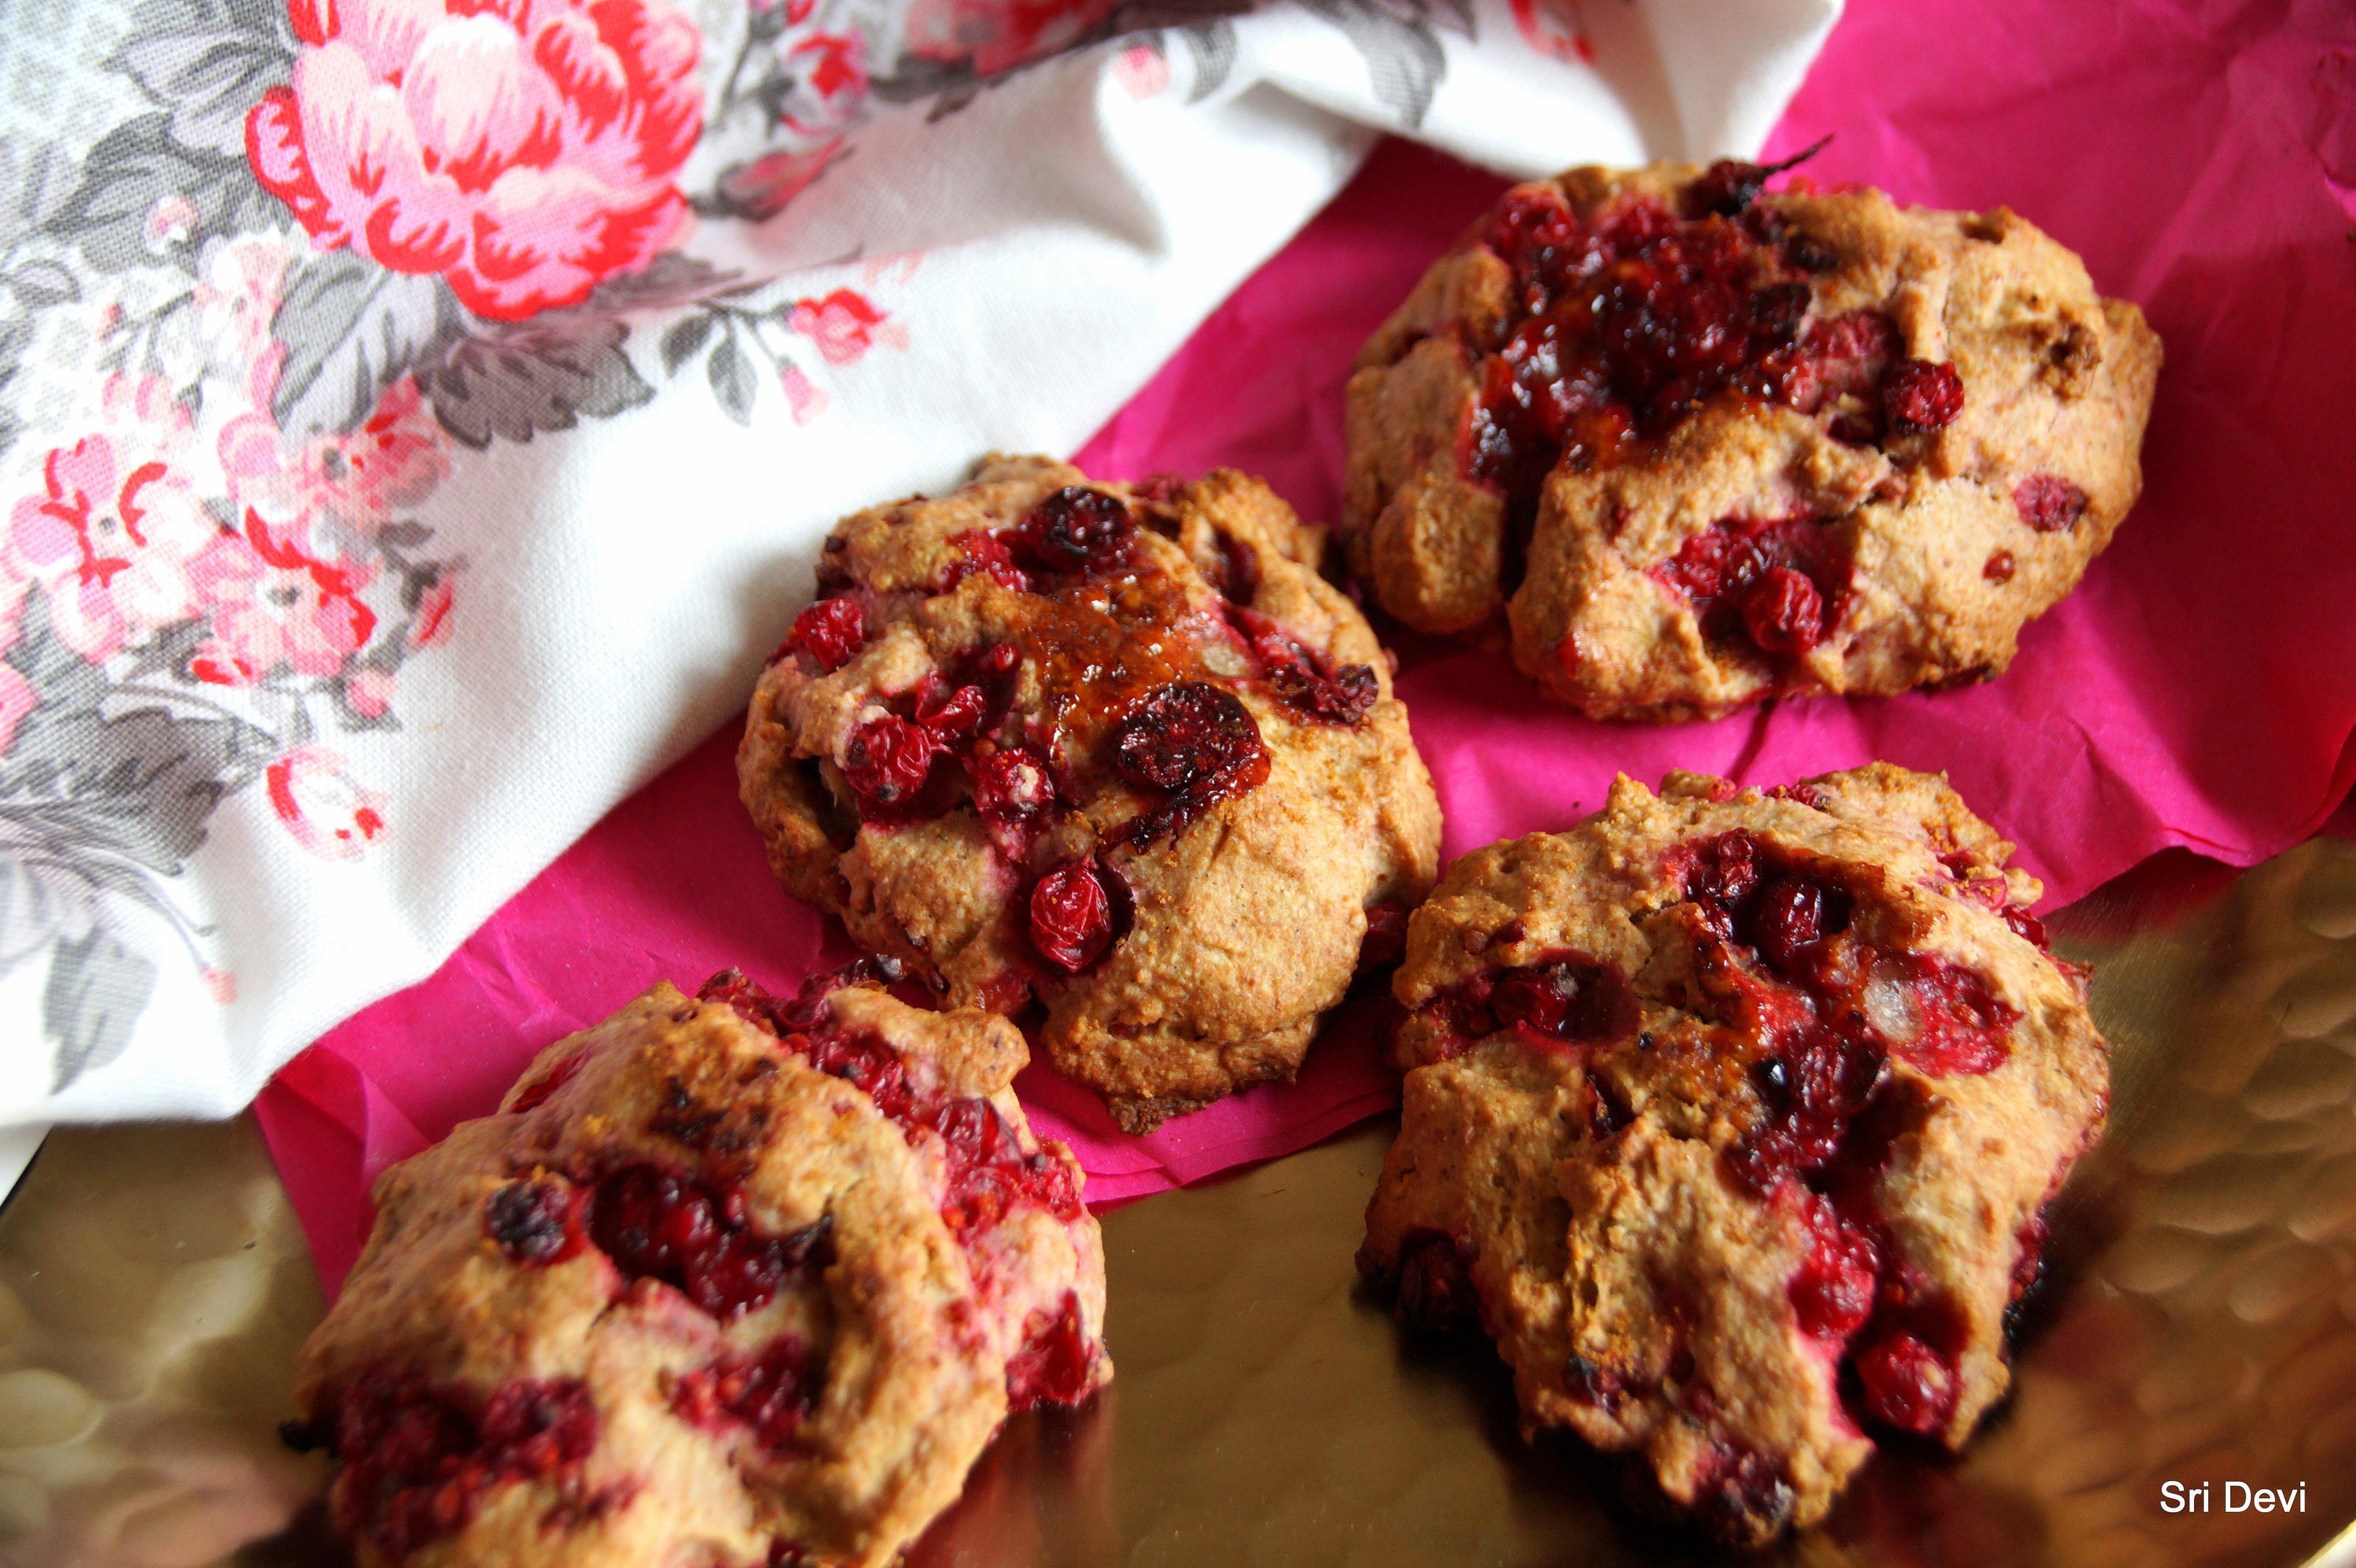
418,417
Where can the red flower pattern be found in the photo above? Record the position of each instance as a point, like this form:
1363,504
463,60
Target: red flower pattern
114,533
322,807
845,324
522,149
275,606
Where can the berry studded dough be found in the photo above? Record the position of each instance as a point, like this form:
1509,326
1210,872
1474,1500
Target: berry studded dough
1732,1118
728,1282
1699,445
1117,749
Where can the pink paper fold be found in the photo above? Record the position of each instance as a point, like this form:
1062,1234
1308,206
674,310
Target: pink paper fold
2199,691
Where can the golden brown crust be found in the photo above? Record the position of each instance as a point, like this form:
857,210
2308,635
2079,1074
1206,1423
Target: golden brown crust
1675,1200
1183,1005
1940,566
902,1316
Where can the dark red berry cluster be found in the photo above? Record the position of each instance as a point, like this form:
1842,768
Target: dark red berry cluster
988,1176
1625,326
1781,960
420,1457
1779,584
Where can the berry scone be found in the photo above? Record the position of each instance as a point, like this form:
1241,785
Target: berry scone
1699,444
1113,748
727,1283
1732,1118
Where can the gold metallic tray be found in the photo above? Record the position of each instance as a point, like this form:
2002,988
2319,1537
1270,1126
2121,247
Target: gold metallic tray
2197,1325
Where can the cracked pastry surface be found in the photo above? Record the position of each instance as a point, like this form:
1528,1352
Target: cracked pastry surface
1731,1117
1696,446
729,1281
1100,745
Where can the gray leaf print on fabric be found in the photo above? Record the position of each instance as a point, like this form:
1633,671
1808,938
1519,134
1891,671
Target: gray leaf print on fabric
97,989
208,64
1404,61
351,328
510,381
137,164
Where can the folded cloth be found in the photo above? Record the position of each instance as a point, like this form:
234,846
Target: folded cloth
2199,691
419,418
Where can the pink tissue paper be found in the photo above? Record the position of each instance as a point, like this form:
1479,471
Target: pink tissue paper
2200,689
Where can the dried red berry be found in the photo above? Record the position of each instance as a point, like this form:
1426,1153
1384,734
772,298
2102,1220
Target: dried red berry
980,551
1012,785
953,716
2047,503
1075,531
419,1459
2024,924
1999,567
534,1221
1783,611
1722,872
1919,395
1793,914
1907,1384
1435,1283
1777,581
1832,1293
831,632
1056,1364
772,1392
535,1094
1071,915
887,761
1301,677
1185,734
660,1224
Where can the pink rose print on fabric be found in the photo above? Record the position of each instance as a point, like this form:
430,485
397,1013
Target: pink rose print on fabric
844,325
522,149
997,34
273,606
112,536
321,805
394,459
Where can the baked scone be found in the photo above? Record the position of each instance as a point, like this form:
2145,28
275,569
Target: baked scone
727,1281
1732,1118
1116,748
1701,445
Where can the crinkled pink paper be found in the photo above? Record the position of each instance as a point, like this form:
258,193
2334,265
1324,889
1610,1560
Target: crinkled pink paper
2199,691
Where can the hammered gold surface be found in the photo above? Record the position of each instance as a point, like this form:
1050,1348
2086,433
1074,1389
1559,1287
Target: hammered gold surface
2199,1324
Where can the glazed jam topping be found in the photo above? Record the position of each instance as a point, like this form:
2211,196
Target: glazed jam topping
419,1459
772,1392
1117,648
988,1176
656,1223
1778,585
1567,998
1627,323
